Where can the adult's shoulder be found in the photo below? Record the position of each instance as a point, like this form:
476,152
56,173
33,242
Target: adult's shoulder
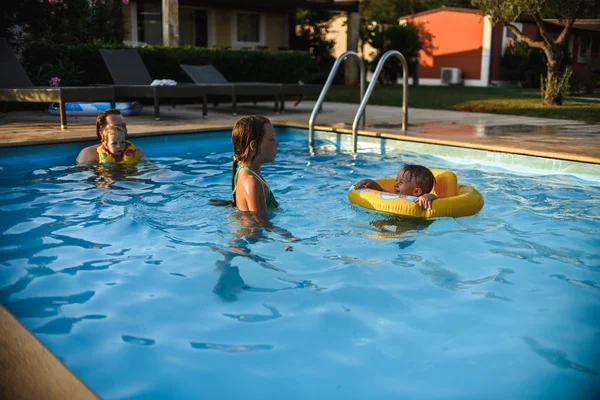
88,155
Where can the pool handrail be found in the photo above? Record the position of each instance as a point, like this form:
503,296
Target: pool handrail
365,98
319,103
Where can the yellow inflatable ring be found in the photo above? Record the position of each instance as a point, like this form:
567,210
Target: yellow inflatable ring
454,200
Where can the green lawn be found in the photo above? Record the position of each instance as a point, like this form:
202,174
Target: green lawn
526,102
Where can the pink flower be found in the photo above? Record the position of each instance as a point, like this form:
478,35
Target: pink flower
41,1
54,81
52,1
26,26
125,2
65,6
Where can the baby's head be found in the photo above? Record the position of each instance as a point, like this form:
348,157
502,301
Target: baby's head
113,139
414,180
247,139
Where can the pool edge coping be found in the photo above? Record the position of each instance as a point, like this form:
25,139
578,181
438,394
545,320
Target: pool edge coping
30,369
328,128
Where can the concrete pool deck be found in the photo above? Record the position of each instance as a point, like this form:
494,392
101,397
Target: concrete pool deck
541,137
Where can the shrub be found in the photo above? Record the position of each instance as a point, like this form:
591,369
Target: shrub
523,64
83,64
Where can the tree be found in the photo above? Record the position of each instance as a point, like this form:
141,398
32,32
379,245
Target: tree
566,11
62,21
312,28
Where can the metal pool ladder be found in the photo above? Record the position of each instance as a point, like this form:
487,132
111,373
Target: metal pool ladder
315,111
365,98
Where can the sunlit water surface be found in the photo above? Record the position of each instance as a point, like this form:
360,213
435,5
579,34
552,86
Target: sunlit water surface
145,291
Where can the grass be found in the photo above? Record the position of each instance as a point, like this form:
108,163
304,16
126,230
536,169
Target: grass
525,102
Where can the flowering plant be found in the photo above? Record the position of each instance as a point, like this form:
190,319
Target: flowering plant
54,81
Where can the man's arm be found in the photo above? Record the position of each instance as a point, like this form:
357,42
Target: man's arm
89,155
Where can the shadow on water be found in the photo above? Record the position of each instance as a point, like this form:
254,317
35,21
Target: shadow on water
556,357
63,326
40,307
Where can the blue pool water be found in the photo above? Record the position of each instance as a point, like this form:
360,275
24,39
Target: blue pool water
146,291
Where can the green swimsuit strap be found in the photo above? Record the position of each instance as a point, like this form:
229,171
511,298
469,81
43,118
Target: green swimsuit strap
271,202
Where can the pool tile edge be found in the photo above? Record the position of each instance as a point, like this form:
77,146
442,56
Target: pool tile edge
30,370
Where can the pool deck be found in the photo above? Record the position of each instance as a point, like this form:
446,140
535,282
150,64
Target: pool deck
551,138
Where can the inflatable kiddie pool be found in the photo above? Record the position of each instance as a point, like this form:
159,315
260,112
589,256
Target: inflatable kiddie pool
93,109
455,200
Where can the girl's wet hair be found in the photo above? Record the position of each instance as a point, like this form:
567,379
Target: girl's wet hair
422,177
245,131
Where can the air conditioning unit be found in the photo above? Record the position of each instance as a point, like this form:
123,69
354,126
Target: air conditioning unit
451,76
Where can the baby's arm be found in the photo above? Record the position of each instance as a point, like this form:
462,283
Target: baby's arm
368,184
425,200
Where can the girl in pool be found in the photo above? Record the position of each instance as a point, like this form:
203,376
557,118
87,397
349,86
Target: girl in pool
254,144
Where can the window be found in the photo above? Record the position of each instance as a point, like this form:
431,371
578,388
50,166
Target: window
193,27
149,23
508,37
248,30
585,49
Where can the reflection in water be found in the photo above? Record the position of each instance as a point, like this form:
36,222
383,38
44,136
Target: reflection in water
106,175
138,340
62,326
256,317
234,348
556,357
395,227
249,231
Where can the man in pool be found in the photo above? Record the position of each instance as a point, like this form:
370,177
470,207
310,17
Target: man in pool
110,117
413,182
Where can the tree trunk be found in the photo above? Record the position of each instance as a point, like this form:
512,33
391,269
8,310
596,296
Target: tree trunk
553,93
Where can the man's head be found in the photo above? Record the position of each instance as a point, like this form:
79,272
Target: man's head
414,180
109,117
113,139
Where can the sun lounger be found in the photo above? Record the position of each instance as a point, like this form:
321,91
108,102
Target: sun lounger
132,80
16,86
219,85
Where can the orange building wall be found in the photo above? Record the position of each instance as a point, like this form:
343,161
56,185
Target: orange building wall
455,39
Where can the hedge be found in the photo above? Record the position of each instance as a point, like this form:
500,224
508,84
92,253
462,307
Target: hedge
83,65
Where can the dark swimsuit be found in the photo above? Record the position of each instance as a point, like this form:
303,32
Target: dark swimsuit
271,202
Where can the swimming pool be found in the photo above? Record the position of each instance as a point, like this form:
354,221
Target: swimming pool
146,291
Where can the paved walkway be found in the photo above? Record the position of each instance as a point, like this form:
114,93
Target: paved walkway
560,139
